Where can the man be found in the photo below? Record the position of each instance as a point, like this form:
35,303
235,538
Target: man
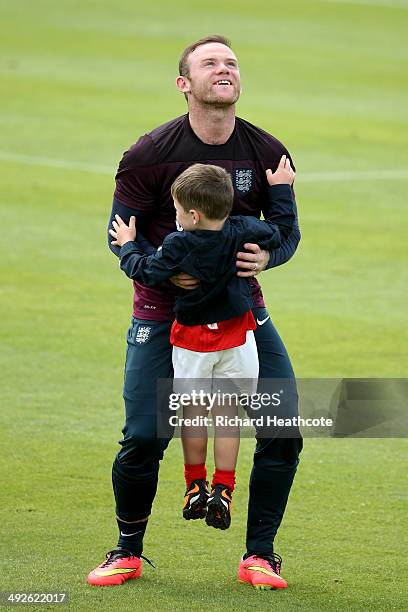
210,133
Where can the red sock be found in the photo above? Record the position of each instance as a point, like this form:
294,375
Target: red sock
194,472
224,477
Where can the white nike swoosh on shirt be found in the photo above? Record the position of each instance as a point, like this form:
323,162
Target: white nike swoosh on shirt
263,321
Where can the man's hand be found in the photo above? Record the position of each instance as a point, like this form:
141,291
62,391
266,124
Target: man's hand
254,262
284,174
121,232
185,281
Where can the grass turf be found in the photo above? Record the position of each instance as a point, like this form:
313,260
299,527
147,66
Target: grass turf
80,82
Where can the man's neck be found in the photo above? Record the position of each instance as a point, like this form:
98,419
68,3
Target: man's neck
212,125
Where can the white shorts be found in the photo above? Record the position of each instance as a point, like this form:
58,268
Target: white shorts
238,365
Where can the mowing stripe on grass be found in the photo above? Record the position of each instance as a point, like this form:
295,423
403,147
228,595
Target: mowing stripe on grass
306,177
55,163
359,175
383,3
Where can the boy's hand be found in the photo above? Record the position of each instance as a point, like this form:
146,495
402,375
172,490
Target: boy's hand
284,174
121,232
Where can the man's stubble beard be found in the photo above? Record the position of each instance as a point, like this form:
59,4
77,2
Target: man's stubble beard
211,99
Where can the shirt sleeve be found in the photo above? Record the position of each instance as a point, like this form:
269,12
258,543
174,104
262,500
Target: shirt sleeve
136,176
125,213
152,269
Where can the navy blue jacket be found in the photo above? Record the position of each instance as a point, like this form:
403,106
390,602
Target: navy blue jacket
210,256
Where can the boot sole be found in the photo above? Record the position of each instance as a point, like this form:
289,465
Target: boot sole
217,515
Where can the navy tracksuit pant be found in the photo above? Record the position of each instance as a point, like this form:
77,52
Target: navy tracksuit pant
136,466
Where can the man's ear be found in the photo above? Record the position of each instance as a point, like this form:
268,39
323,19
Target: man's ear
183,84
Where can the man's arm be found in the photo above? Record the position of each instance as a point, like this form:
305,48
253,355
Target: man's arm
125,212
135,188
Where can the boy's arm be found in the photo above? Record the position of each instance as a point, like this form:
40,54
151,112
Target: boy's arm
280,212
289,242
278,225
150,269
281,209
147,269
255,258
269,233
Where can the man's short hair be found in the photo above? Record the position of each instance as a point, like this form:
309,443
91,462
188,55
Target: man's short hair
205,188
214,38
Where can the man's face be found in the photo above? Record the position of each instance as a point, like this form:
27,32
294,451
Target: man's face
213,75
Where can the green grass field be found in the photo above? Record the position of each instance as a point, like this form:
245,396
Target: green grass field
80,82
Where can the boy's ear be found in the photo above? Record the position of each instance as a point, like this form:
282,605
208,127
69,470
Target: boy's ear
195,215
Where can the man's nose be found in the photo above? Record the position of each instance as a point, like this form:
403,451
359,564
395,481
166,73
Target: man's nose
222,68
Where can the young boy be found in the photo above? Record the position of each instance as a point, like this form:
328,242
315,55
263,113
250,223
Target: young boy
212,335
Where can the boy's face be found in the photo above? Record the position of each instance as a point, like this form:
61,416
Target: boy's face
187,220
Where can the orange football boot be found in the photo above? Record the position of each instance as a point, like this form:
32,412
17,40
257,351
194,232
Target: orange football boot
219,507
195,500
119,566
262,572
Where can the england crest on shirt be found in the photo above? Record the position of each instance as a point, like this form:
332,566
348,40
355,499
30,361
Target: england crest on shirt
243,179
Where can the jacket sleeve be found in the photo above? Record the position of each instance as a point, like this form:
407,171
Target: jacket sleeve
151,269
281,210
274,229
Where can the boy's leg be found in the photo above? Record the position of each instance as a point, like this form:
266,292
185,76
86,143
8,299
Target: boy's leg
192,371
239,366
194,441
194,446
226,447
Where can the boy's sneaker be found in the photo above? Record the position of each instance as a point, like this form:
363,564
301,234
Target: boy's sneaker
120,565
262,572
219,507
195,500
